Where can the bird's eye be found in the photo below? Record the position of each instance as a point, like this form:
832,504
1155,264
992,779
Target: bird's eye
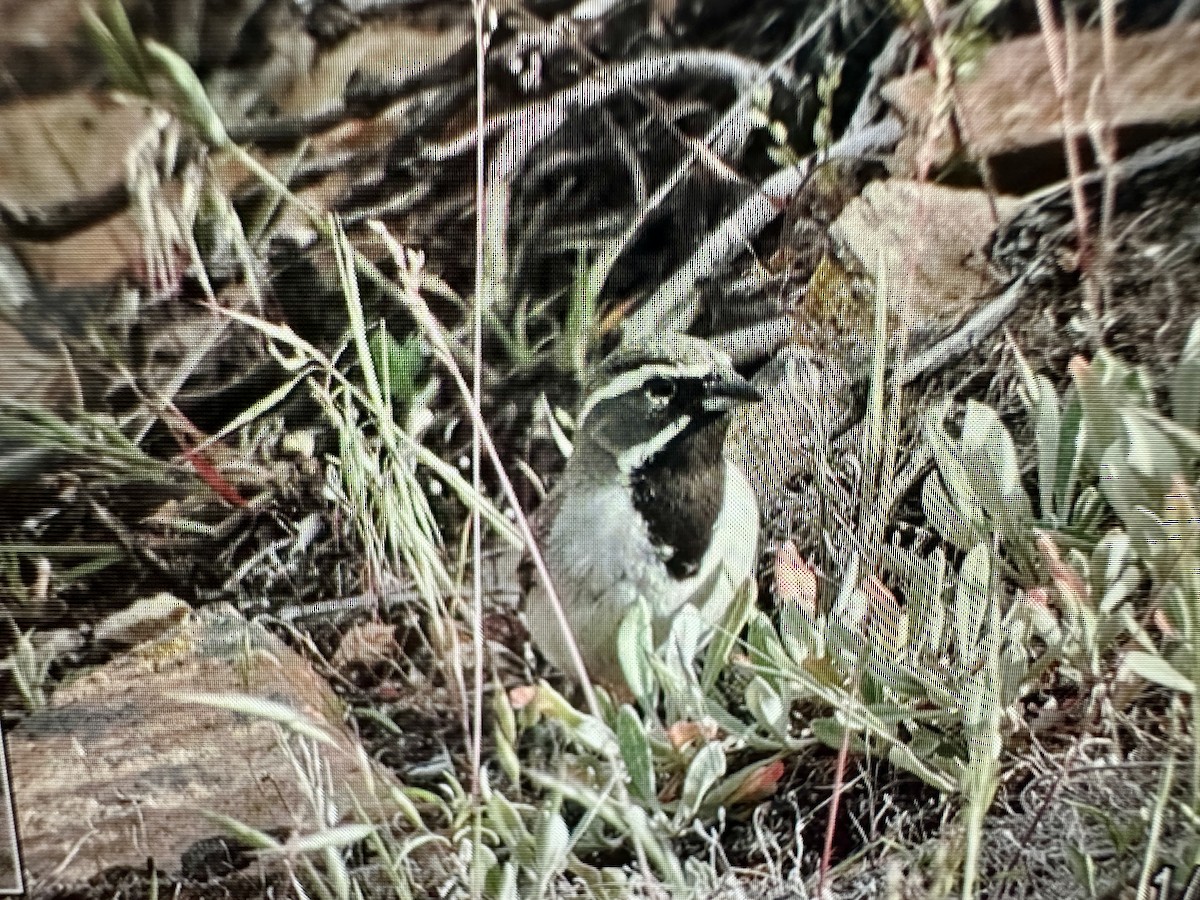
660,389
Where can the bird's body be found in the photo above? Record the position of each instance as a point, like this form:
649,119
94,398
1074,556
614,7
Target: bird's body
648,506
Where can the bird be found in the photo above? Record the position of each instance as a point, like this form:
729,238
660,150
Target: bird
648,505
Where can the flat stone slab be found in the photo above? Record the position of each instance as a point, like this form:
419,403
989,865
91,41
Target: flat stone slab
118,768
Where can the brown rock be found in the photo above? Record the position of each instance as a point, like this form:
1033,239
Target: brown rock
923,244
118,768
1009,103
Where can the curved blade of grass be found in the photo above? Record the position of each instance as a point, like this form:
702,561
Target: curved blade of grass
259,708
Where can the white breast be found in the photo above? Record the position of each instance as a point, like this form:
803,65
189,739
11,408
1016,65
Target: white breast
602,560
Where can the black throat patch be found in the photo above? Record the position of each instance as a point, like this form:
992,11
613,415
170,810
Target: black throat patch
679,493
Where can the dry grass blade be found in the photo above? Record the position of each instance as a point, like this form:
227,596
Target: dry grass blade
260,708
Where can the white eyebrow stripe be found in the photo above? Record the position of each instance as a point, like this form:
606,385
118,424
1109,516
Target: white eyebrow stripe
628,381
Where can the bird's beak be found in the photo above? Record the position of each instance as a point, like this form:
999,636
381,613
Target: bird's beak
725,390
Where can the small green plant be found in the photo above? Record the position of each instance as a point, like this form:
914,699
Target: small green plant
404,377
1105,571
1116,506
542,334
642,782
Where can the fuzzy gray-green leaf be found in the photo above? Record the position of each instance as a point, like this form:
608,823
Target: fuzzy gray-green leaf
634,648
1185,381
706,769
971,601
635,750
945,516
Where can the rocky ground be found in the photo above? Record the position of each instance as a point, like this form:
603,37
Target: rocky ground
1001,191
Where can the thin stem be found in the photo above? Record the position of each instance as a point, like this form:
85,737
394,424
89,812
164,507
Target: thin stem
1061,69
478,8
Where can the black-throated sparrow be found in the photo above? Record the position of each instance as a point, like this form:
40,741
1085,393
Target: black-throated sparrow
648,505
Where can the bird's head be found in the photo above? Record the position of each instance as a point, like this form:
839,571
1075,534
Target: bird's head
653,392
